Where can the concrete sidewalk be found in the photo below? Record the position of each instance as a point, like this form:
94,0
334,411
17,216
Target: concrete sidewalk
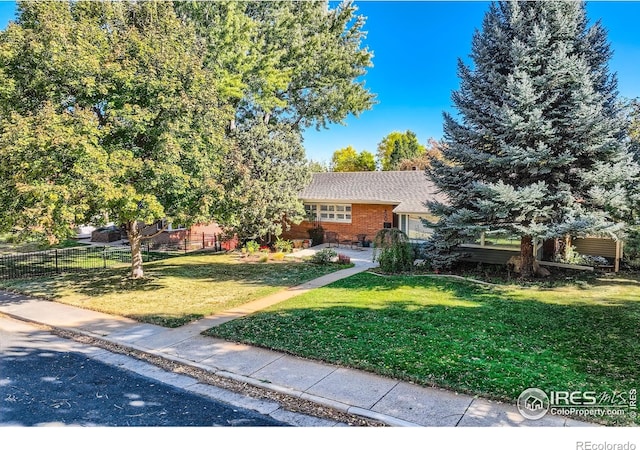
396,403
393,402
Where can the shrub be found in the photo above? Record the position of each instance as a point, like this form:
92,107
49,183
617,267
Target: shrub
632,248
570,256
393,251
252,247
440,251
283,246
264,257
343,259
279,256
324,256
316,234
419,250
573,257
594,260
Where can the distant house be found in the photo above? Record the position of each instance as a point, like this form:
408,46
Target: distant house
195,236
353,204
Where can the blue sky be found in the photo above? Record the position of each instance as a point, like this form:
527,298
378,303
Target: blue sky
416,45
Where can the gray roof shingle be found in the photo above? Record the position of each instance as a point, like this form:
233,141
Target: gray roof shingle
407,189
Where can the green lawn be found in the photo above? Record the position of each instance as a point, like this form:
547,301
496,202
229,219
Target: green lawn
494,342
175,291
8,247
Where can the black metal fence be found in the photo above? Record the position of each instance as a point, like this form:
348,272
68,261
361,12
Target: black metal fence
49,262
76,259
212,242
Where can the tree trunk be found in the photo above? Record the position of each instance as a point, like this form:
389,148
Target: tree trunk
135,240
567,251
527,257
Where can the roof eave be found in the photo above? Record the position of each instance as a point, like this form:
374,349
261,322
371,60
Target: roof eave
349,200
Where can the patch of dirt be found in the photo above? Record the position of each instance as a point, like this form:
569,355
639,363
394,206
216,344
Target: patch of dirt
287,402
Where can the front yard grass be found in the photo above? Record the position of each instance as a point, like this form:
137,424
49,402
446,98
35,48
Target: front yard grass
493,342
8,247
174,291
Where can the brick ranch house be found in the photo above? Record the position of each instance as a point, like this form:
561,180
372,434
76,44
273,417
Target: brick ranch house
361,203
354,204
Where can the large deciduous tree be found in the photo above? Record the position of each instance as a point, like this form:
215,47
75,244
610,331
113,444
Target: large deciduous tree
349,160
293,62
185,111
539,149
317,166
432,151
397,147
284,66
106,108
266,172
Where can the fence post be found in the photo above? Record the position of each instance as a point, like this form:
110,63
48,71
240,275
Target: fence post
203,243
104,257
185,245
148,251
56,256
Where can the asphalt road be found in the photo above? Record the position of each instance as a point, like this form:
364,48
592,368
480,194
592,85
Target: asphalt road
47,380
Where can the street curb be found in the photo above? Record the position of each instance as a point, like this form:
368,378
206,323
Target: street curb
338,406
389,420
261,384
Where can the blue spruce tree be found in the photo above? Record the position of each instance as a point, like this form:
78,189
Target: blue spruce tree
539,149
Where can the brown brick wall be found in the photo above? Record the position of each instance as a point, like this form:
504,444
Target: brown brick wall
365,219
193,233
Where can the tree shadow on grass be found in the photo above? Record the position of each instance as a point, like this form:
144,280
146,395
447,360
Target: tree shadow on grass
374,283
280,274
108,281
206,284
603,291
490,344
96,284
621,280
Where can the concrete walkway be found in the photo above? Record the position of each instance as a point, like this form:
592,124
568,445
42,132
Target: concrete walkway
396,403
360,259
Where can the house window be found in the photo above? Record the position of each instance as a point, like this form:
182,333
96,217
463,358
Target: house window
416,228
413,226
328,212
311,212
